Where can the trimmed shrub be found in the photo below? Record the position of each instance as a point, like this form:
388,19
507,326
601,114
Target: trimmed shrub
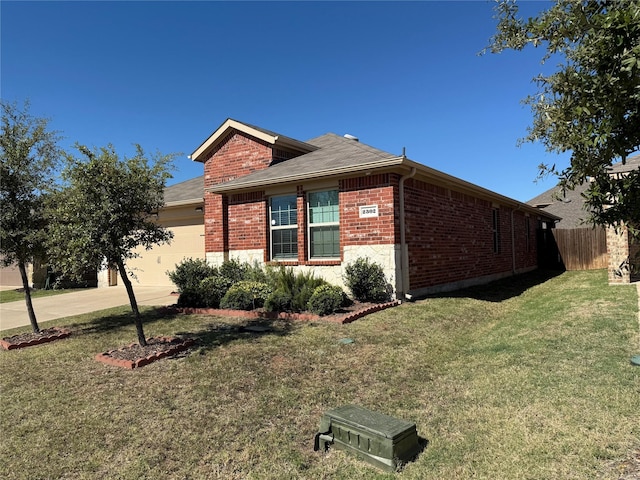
233,271
189,273
367,281
212,289
278,301
191,297
245,295
326,299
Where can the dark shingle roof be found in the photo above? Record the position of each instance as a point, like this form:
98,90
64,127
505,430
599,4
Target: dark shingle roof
632,163
185,191
335,154
568,205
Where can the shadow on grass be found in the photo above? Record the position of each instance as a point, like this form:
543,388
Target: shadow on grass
503,289
108,323
216,334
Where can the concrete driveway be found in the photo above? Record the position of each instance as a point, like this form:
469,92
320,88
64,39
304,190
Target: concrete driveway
14,314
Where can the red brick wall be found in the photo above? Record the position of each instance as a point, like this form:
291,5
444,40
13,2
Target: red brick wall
378,190
215,223
450,236
237,155
247,221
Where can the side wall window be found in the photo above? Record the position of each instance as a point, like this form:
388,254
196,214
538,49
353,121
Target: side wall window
324,224
283,229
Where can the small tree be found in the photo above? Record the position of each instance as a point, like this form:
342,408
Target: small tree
106,209
591,105
29,155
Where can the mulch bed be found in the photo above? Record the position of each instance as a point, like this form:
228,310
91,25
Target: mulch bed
135,355
30,339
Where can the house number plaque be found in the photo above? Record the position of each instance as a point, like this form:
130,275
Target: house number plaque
368,211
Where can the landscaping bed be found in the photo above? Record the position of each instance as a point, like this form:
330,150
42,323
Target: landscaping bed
136,355
344,315
30,339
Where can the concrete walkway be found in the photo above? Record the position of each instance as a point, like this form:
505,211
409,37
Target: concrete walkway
14,314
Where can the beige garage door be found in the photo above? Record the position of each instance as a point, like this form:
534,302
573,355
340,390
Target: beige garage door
10,277
188,242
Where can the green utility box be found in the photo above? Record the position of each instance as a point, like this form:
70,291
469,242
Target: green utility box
379,439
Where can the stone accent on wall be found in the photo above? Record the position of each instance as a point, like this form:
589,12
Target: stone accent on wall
216,258
388,256
248,256
618,248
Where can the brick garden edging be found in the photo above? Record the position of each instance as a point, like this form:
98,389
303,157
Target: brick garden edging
59,333
108,359
347,318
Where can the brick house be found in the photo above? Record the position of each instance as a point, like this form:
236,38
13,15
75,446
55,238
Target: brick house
323,203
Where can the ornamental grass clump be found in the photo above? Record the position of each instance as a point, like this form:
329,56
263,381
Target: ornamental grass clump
292,291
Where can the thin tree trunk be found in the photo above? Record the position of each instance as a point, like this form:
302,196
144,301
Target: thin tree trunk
132,300
27,297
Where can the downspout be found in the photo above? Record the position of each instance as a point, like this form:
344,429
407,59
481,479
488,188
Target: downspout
404,251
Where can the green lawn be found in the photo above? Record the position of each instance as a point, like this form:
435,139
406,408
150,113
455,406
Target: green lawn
526,379
17,295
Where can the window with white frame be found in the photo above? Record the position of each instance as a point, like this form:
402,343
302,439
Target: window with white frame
324,224
283,214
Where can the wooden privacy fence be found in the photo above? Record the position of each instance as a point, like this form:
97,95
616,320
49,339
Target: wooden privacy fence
582,248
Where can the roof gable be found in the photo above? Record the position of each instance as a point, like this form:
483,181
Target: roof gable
266,136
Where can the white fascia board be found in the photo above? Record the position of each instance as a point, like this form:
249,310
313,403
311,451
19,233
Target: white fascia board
222,129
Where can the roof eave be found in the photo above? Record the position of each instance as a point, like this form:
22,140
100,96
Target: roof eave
441,178
330,172
183,203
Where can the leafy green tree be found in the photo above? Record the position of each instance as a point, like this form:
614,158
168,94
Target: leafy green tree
106,209
590,106
29,154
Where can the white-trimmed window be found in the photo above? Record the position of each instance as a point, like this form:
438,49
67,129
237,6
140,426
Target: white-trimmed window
283,214
324,224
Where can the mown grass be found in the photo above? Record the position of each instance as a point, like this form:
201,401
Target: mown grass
512,380
18,295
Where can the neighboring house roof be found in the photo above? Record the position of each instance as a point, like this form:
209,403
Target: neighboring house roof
189,191
569,205
632,163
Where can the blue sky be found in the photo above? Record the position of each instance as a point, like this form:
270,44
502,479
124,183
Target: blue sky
167,74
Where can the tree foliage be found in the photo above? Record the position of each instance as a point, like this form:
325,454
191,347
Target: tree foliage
590,106
106,209
29,154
